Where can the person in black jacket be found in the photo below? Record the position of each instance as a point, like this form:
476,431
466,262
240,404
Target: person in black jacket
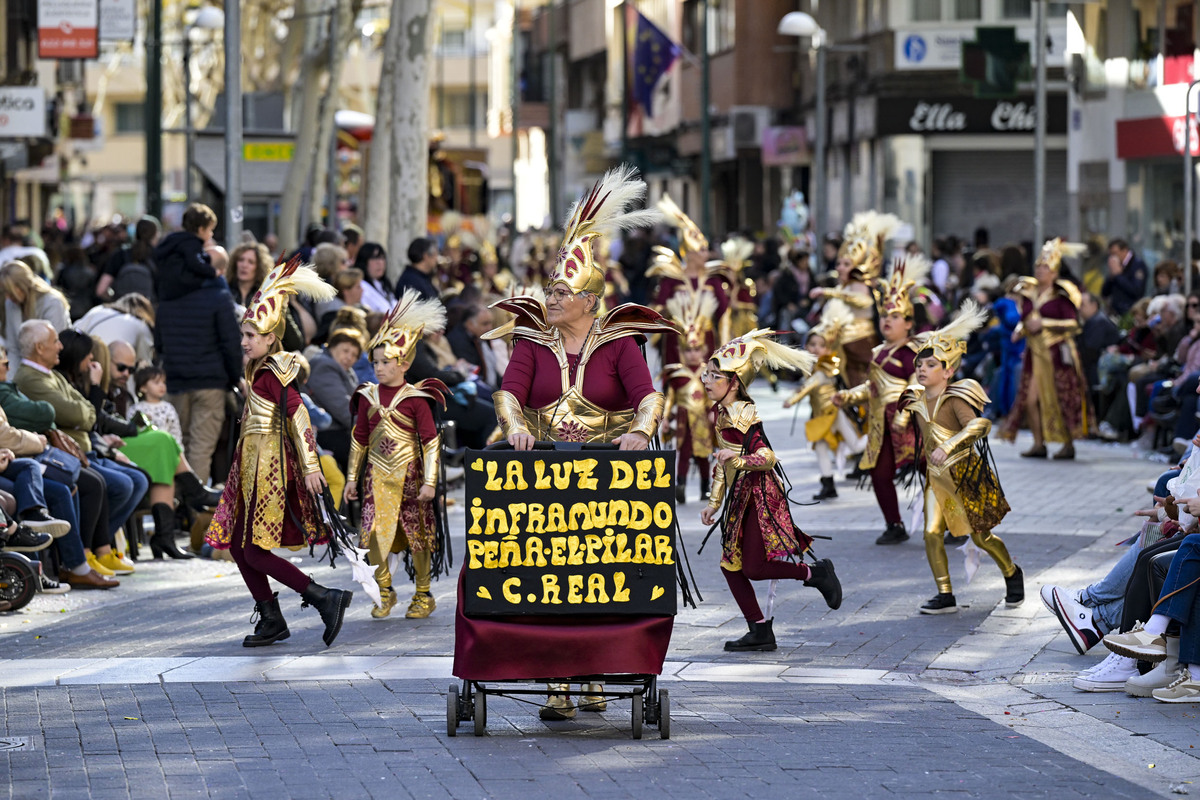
418,275
1126,281
198,339
1098,334
182,261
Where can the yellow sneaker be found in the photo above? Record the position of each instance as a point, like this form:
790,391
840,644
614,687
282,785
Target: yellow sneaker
422,606
95,564
388,596
113,561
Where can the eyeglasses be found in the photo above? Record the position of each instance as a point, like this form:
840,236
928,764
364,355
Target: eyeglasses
122,367
559,295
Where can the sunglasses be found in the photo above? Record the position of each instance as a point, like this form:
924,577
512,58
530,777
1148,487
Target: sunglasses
123,367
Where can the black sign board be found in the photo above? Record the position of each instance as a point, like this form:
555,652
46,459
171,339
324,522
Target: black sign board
577,533
931,116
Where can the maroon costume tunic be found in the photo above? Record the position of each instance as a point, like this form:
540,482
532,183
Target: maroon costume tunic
615,378
415,516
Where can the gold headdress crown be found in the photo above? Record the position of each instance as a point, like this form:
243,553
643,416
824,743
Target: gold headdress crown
690,236
696,313
736,252
266,310
405,324
601,212
746,355
864,238
835,316
949,342
1056,249
893,295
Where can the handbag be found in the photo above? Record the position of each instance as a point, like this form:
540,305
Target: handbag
58,439
60,465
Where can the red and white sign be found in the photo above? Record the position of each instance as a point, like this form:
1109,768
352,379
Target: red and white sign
1154,137
68,29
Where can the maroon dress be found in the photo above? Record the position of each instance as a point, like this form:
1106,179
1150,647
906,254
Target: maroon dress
667,287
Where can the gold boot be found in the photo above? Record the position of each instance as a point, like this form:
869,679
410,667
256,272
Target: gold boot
593,701
558,706
388,601
422,606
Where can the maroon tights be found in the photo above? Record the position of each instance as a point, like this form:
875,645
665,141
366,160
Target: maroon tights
883,479
755,567
256,564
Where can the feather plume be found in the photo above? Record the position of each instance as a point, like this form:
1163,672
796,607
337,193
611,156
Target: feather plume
686,307
737,251
912,269
835,316
780,356
451,222
971,317
412,312
872,223
603,210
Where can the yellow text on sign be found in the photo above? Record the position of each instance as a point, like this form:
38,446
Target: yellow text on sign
268,151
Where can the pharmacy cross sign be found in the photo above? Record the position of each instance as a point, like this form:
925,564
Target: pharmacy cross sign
995,62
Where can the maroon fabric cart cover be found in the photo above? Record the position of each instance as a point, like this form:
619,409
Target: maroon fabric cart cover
530,648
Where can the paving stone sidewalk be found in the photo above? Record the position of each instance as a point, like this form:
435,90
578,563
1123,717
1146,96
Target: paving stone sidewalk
935,722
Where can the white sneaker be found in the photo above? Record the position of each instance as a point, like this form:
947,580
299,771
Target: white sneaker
1163,674
1103,663
1047,594
1110,678
1077,620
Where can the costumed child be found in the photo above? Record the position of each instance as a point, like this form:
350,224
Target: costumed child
686,419
829,429
962,492
270,498
396,438
759,540
891,371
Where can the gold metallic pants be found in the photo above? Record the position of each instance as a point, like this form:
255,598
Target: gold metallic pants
943,511
422,563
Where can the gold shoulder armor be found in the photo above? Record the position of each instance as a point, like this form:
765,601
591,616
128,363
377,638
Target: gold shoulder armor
912,393
1070,291
369,392
529,320
666,264
286,367
742,415
970,391
631,319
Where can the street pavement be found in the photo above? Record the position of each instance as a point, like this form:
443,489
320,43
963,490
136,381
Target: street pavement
145,691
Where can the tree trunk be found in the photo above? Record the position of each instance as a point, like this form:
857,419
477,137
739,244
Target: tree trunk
409,207
347,12
299,171
378,194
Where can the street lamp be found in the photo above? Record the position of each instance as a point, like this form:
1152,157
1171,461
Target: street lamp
797,23
208,18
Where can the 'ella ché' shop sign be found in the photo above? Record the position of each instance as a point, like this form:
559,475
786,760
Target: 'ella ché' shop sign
929,117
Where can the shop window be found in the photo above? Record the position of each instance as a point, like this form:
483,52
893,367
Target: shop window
131,117
968,9
926,10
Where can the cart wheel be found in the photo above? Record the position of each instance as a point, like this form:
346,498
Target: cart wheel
480,713
664,714
637,716
452,711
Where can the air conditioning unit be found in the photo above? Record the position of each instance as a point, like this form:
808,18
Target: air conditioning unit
748,124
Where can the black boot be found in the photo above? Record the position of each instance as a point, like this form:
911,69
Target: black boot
825,580
680,494
828,490
941,603
760,637
195,493
271,626
705,477
1014,589
895,534
165,531
331,604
